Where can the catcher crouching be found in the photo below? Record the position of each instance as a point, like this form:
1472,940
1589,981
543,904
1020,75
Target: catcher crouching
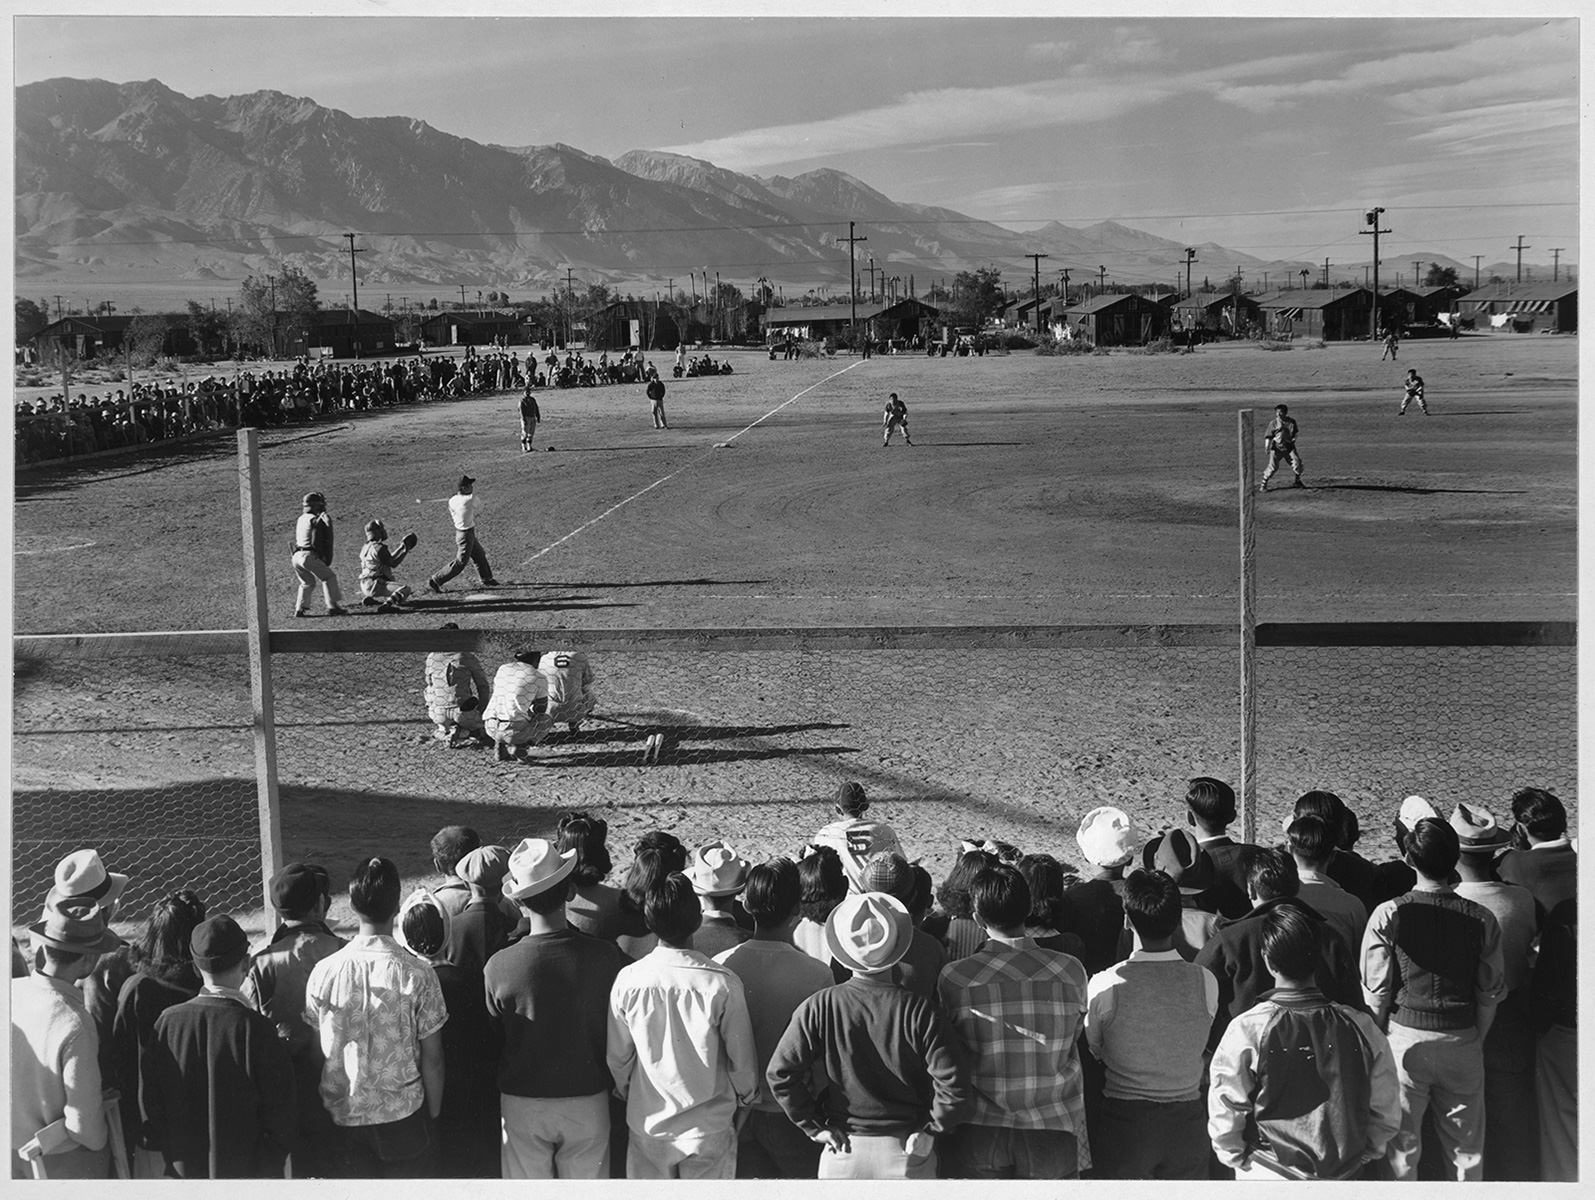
377,562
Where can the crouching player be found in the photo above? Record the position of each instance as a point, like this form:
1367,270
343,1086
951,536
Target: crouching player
456,692
516,717
376,568
571,698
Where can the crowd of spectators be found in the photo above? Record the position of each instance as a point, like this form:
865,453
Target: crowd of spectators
1182,1006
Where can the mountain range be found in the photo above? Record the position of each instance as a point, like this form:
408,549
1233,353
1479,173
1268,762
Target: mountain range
136,182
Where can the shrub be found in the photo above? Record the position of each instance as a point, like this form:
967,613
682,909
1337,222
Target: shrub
1018,341
1100,352
1059,347
1162,346
1314,345
1274,344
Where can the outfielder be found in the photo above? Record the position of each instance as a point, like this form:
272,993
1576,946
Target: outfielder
895,417
516,717
1412,390
571,698
530,416
1281,443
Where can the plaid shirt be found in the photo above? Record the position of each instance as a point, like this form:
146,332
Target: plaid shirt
1017,1009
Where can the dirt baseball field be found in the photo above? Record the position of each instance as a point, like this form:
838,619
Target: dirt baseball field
1080,490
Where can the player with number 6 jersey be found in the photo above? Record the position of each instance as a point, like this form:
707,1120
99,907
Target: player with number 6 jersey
570,686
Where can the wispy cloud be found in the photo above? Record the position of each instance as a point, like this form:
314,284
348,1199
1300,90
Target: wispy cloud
933,116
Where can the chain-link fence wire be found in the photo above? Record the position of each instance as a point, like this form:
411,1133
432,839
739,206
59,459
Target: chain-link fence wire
149,761
949,743
1450,723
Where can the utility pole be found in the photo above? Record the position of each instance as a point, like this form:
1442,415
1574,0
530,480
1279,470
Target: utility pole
1326,272
1190,257
354,278
1520,247
462,297
1477,259
852,277
1556,262
1371,218
872,279
1102,278
1036,261
58,308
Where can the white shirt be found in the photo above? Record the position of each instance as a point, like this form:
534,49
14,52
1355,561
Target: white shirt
516,686
463,508
681,1049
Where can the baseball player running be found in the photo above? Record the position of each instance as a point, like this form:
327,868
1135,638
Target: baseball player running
895,417
1281,443
1412,390
571,698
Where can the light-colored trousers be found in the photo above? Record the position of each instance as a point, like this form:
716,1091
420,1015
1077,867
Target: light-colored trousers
563,1138
1444,1068
311,571
711,1157
876,1157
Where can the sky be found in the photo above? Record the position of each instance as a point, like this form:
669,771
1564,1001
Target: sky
1269,136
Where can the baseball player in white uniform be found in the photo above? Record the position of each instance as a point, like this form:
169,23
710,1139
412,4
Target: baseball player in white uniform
895,417
1412,389
571,698
1281,442
516,717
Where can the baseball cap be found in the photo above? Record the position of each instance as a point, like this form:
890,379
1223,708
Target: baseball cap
218,944
296,888
466,480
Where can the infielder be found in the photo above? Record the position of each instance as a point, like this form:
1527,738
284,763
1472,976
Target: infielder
463,507
453,680
1281,443
571,698
516,717
656,396
895,417
1412,390
312,557
530,416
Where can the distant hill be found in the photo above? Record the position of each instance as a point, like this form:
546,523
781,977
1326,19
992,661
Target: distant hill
136,181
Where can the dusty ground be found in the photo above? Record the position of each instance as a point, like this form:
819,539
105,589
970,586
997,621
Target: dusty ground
1070,490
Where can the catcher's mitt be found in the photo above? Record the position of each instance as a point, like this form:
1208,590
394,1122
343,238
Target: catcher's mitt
409,540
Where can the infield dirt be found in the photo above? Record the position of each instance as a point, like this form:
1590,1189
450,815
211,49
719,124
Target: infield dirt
1039,490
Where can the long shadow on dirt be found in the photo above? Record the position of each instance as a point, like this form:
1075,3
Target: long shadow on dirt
1410,491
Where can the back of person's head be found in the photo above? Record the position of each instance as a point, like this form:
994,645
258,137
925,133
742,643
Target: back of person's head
1004,852
1211,801
822,881
1001,897
1433,848
953,894
923,894
1311,840
1350,831
1045,876
1152,903
850,799
772,893
587,836
423,929
1290,943
172,923
656,858
1271,874
374,890
452,843
668,846
672,911
1540,813
1326,806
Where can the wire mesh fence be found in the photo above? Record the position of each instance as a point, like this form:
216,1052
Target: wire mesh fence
151,759
159,778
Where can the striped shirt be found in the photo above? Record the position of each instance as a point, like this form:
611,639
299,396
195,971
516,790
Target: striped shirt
1017,1008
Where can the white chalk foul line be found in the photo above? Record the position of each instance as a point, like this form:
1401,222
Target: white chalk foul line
614,508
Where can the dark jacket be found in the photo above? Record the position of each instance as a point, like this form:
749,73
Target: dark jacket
1235,956
219,1091
1229,859
153,988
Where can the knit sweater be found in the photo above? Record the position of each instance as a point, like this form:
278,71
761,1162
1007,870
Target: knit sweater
549,994
1147,1019
892,1061
1430,959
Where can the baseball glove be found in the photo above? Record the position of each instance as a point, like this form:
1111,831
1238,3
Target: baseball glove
409,540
